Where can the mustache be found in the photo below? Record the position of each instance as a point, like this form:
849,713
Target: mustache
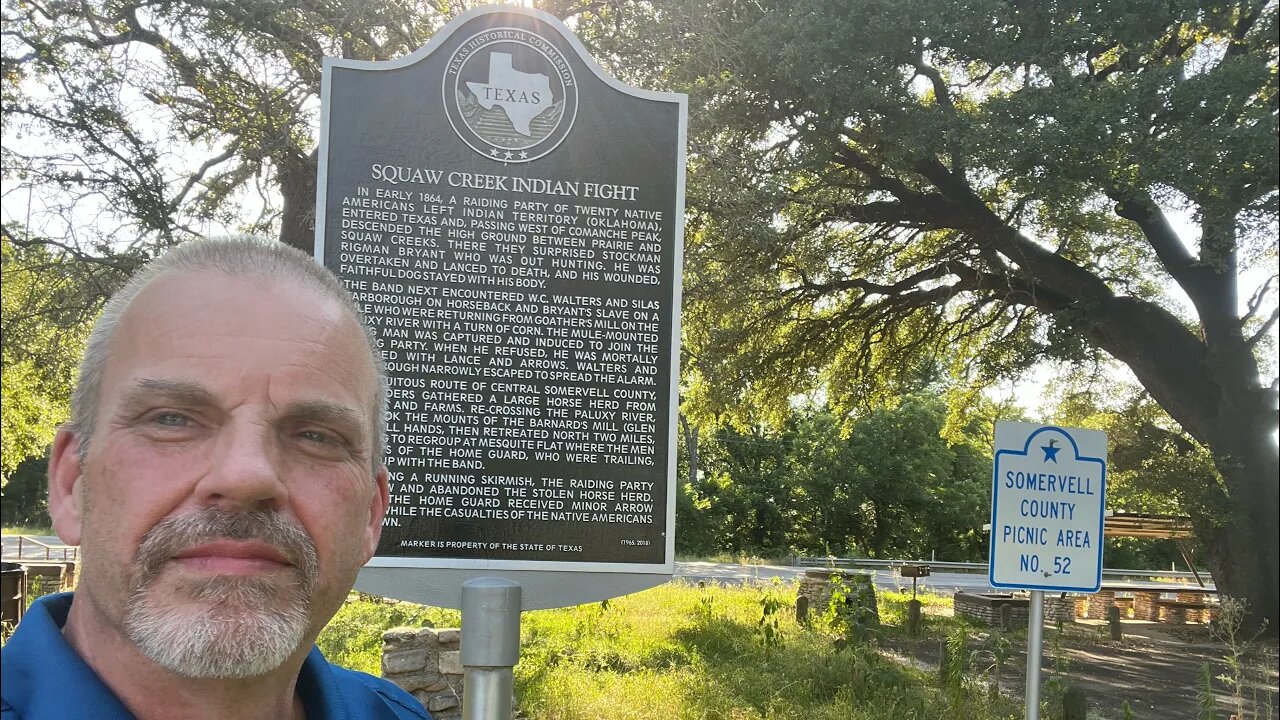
174,534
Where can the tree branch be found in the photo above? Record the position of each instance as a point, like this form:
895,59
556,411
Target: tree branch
1255,338
199,173
1241,30
1255,302
930,212
1138,207
984,225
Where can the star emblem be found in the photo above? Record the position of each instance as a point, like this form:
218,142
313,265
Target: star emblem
523,155
1051,452
494,152
508,154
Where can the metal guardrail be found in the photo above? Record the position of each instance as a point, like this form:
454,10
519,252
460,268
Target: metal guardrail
822,562
69,552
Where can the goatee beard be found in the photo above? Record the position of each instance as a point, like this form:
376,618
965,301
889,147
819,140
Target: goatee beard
221,627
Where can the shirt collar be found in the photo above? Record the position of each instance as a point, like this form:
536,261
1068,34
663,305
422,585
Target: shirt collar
43,675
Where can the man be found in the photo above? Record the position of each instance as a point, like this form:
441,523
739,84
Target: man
222,471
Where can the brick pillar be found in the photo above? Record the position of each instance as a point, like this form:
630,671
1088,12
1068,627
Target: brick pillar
1144,606
1100,604
1082,606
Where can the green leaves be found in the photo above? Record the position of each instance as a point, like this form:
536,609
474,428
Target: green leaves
167,120
43,334
885,484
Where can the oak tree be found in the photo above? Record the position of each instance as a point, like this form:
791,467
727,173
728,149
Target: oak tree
877,184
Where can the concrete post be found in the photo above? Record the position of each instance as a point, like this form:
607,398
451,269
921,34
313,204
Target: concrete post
1113,622
1075,704
913,616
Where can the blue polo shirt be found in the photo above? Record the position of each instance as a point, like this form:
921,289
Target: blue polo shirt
42,678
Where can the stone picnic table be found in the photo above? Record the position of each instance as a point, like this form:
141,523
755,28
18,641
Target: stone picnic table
1189,603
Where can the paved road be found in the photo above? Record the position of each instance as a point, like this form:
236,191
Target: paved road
726,573
943,582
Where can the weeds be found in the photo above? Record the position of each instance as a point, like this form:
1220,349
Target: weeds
1206,704
699,653
991,657
353,638
1055,688
771,605
850,614
705,609
1227,628
951,670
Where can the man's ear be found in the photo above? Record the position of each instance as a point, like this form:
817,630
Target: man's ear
65,503
377,510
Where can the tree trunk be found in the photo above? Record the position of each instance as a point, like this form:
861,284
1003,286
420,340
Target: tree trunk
1244,553
1210,386
297,175
690,446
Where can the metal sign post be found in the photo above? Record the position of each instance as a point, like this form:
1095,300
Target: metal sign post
490,647
1035,649
1048,504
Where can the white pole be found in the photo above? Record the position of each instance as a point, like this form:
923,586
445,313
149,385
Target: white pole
1035,646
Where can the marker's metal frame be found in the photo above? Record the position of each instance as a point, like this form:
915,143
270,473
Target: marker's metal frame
491,593
385,575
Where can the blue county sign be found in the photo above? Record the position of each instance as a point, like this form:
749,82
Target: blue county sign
1047,505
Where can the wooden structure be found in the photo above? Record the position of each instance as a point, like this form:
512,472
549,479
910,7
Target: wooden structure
1188,604
1177,528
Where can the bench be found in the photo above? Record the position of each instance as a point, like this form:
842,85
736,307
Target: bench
1146,602
1183,611
47,577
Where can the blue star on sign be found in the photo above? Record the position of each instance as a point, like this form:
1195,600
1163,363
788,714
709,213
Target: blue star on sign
1051,452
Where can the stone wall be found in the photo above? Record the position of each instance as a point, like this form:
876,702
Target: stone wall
427,663
986,608
1059,608
816,585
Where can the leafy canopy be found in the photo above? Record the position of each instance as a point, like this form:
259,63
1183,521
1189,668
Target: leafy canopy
875,185
43,327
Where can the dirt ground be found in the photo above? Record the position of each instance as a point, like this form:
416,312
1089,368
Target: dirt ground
1157,669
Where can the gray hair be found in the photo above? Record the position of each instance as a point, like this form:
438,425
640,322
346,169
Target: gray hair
238,256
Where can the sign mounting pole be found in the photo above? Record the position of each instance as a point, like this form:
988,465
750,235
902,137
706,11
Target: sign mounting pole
1035,649
490,647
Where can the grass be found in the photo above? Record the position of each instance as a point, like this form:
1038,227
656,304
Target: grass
714,653
353,638
737,559
26,530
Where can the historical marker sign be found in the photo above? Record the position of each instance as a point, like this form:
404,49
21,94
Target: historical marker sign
1047,508
509,217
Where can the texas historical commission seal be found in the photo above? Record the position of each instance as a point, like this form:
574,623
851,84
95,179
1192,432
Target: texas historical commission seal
510,94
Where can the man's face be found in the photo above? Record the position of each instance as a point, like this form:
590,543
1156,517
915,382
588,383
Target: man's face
227,498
